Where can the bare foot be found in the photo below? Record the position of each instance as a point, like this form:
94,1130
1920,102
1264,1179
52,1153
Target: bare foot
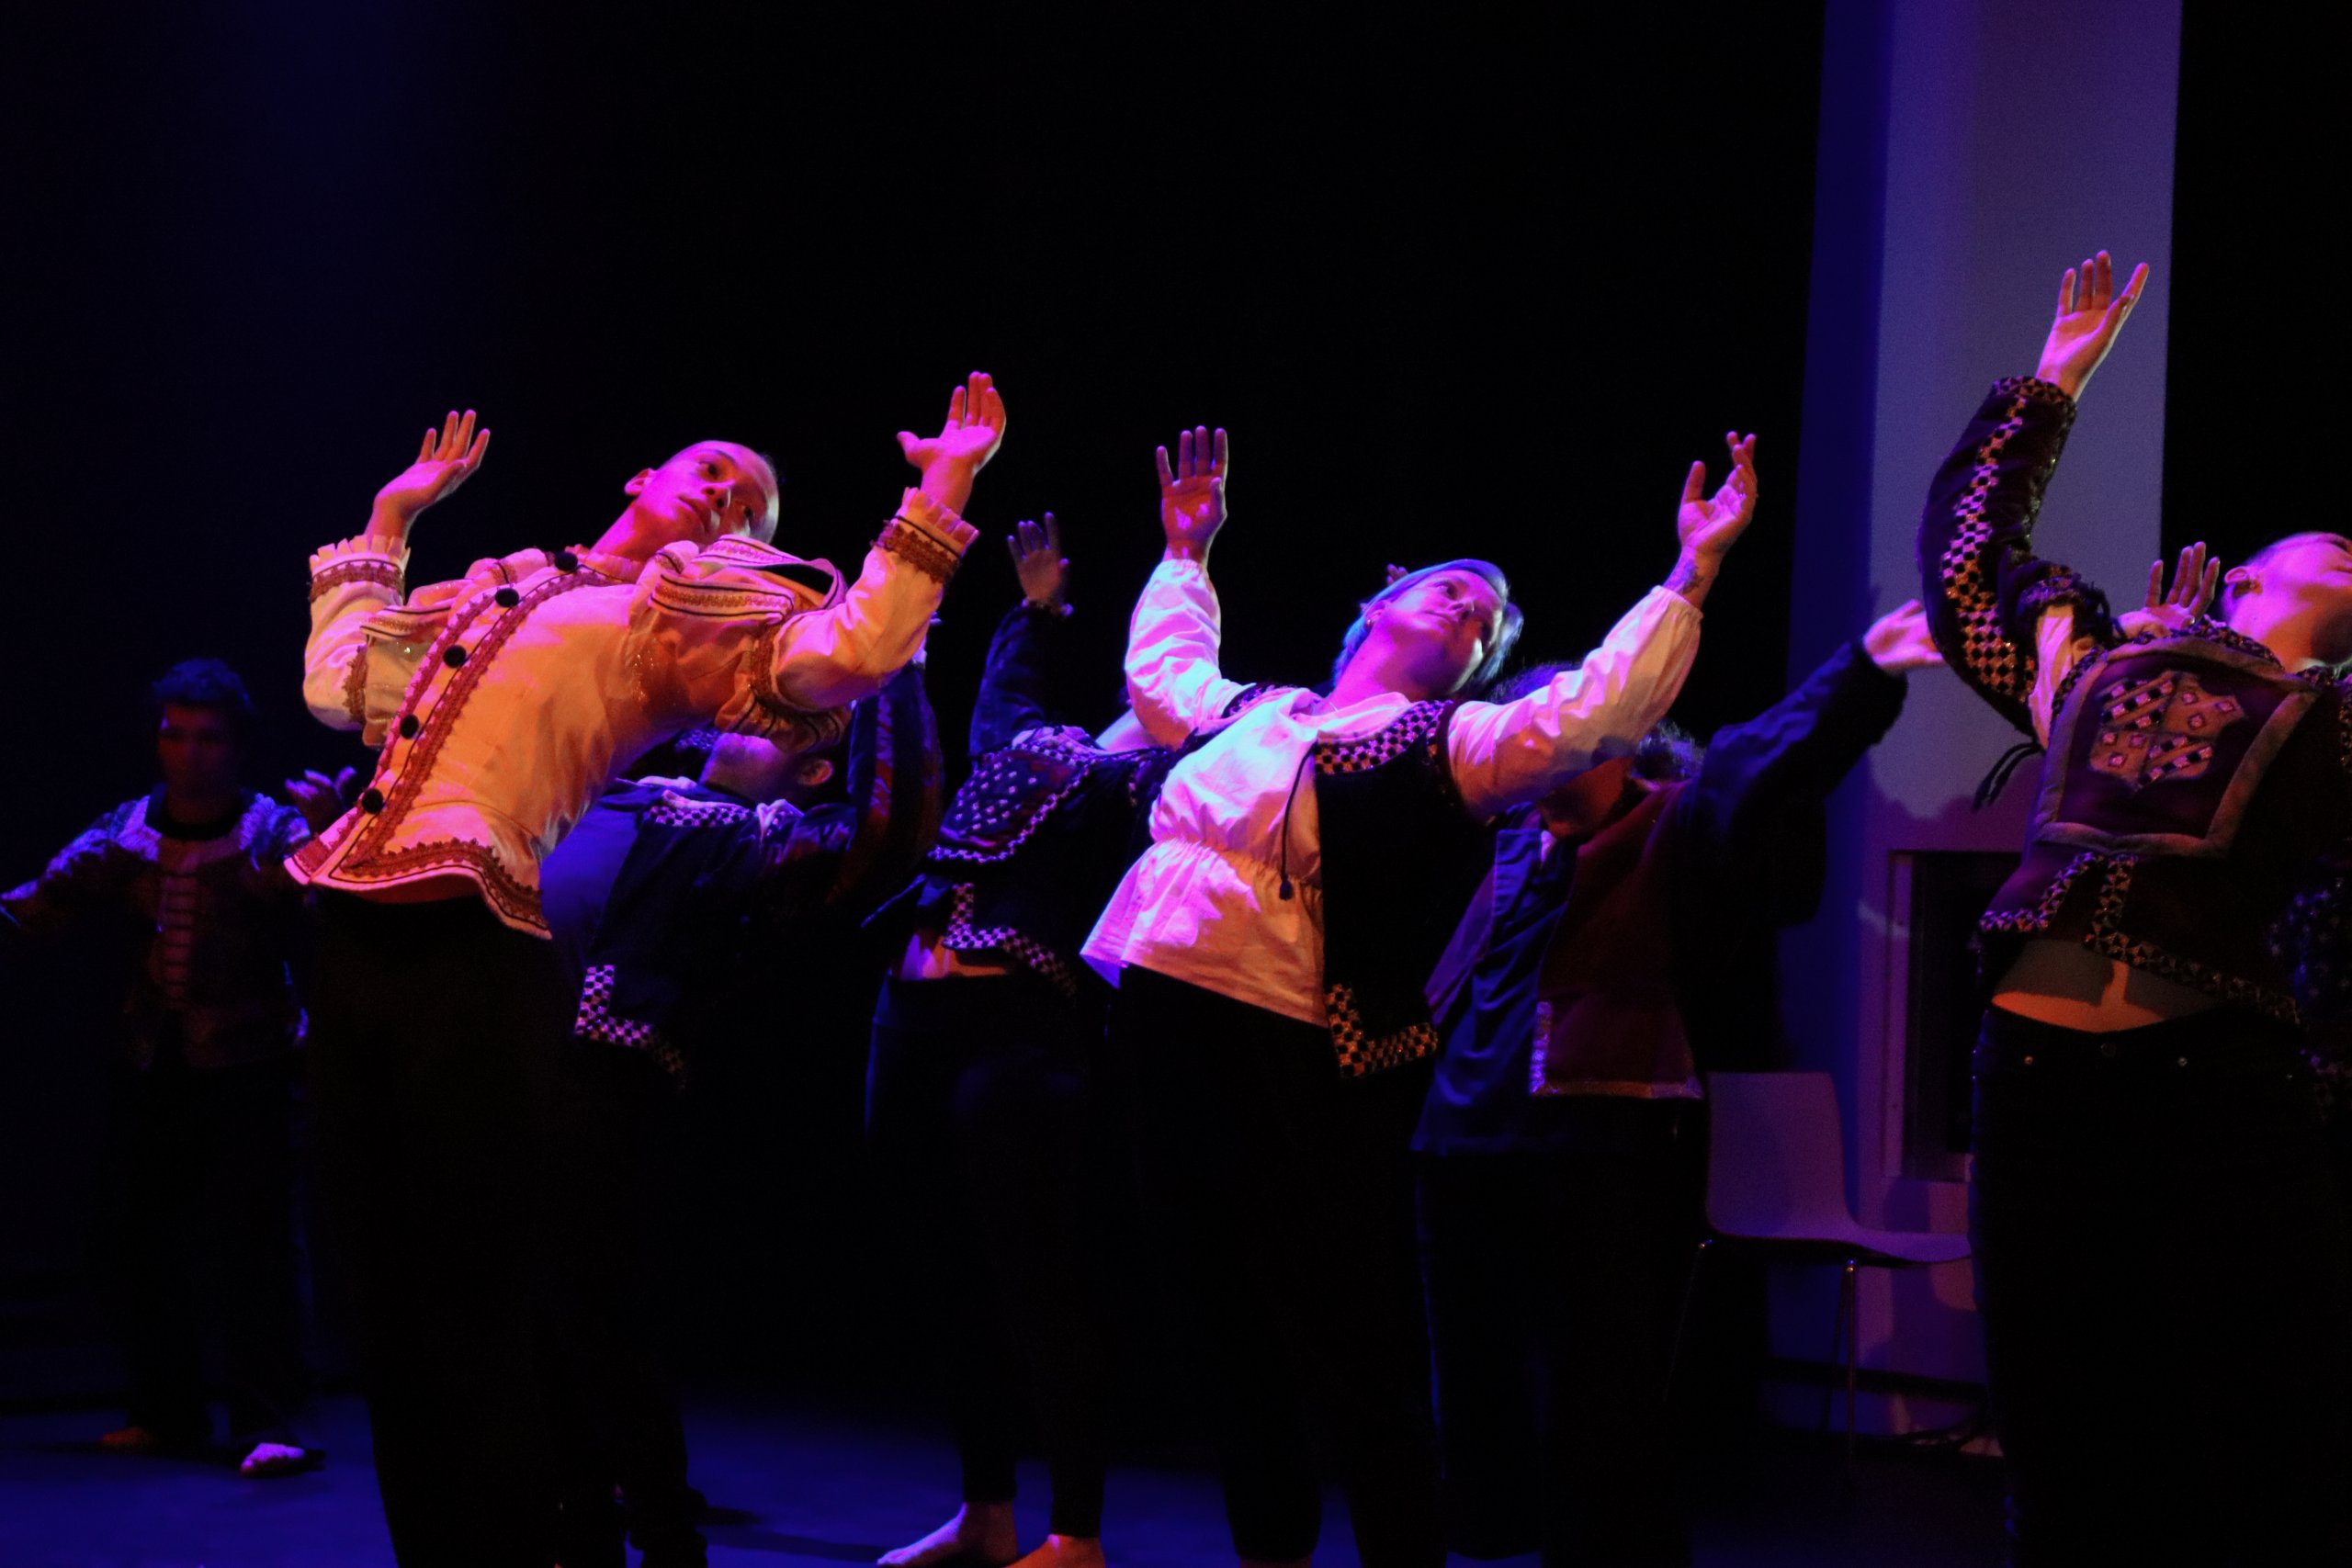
1066,1552
129,1440
980,1532
275,1459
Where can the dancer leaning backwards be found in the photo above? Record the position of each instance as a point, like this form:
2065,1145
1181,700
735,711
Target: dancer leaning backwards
503,703
2160,1253
1310,855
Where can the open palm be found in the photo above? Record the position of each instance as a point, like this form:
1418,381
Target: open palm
445,460
973,431
1707,525
1192,490
2091,314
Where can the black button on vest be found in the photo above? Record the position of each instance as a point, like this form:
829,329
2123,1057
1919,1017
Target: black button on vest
566,561
371,801
455,657
409,726
509,598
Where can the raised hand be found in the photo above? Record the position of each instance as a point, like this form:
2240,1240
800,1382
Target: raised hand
321,799
445,460
974,430
1191,493
1899,642
1038,561
2091,314
2195,580
1709,524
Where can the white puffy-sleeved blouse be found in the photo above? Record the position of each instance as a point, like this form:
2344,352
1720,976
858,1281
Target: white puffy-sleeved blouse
504,701
1203,903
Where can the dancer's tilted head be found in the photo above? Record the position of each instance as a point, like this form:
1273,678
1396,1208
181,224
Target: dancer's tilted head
705,492
1437,631
2303,583
759,770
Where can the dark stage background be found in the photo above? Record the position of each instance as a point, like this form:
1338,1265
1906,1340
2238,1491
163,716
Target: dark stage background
2245,412
1481,284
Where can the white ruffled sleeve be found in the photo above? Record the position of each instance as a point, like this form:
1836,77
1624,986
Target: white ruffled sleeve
1172,639
745,637
1506,754
350,581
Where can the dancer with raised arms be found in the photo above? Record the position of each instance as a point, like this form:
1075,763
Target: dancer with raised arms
2159,1251
503,703
1309,857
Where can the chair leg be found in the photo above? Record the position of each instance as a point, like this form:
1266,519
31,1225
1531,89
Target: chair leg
1682,1319
1851,1306
1838,1329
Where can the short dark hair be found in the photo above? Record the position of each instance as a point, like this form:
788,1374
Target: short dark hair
206,684
1667,753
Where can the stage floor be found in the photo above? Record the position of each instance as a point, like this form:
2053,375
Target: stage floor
797,1485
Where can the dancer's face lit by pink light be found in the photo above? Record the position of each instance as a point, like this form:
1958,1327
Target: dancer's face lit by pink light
709,491
1444,624
196,748
2307,572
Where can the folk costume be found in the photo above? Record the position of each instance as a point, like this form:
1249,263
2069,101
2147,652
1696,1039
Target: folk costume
986,1109
1589,983
203,1099
503,703
1306,866
2160,1254
664,891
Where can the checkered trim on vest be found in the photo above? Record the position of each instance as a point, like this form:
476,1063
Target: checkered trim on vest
962,936
993,796
597,1021
1417,726
1361,1052
675,810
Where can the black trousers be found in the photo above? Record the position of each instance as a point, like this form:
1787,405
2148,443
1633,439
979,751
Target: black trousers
984,1116
434,1032
204,1238
613,1406
2161,1267
1555,1280
1286,1193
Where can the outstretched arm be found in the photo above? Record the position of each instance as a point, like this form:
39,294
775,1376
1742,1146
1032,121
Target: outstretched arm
2007,620
1031,645
1506,754
817,662
1761,789
1173,675
84,876
342,678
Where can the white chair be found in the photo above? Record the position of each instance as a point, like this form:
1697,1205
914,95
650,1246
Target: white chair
1776,1183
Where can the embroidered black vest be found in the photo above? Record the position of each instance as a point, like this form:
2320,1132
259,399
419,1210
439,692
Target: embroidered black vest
1032,847
1401,855
2188,781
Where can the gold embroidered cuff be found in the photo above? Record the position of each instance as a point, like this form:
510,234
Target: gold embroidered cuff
918,550
355,569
